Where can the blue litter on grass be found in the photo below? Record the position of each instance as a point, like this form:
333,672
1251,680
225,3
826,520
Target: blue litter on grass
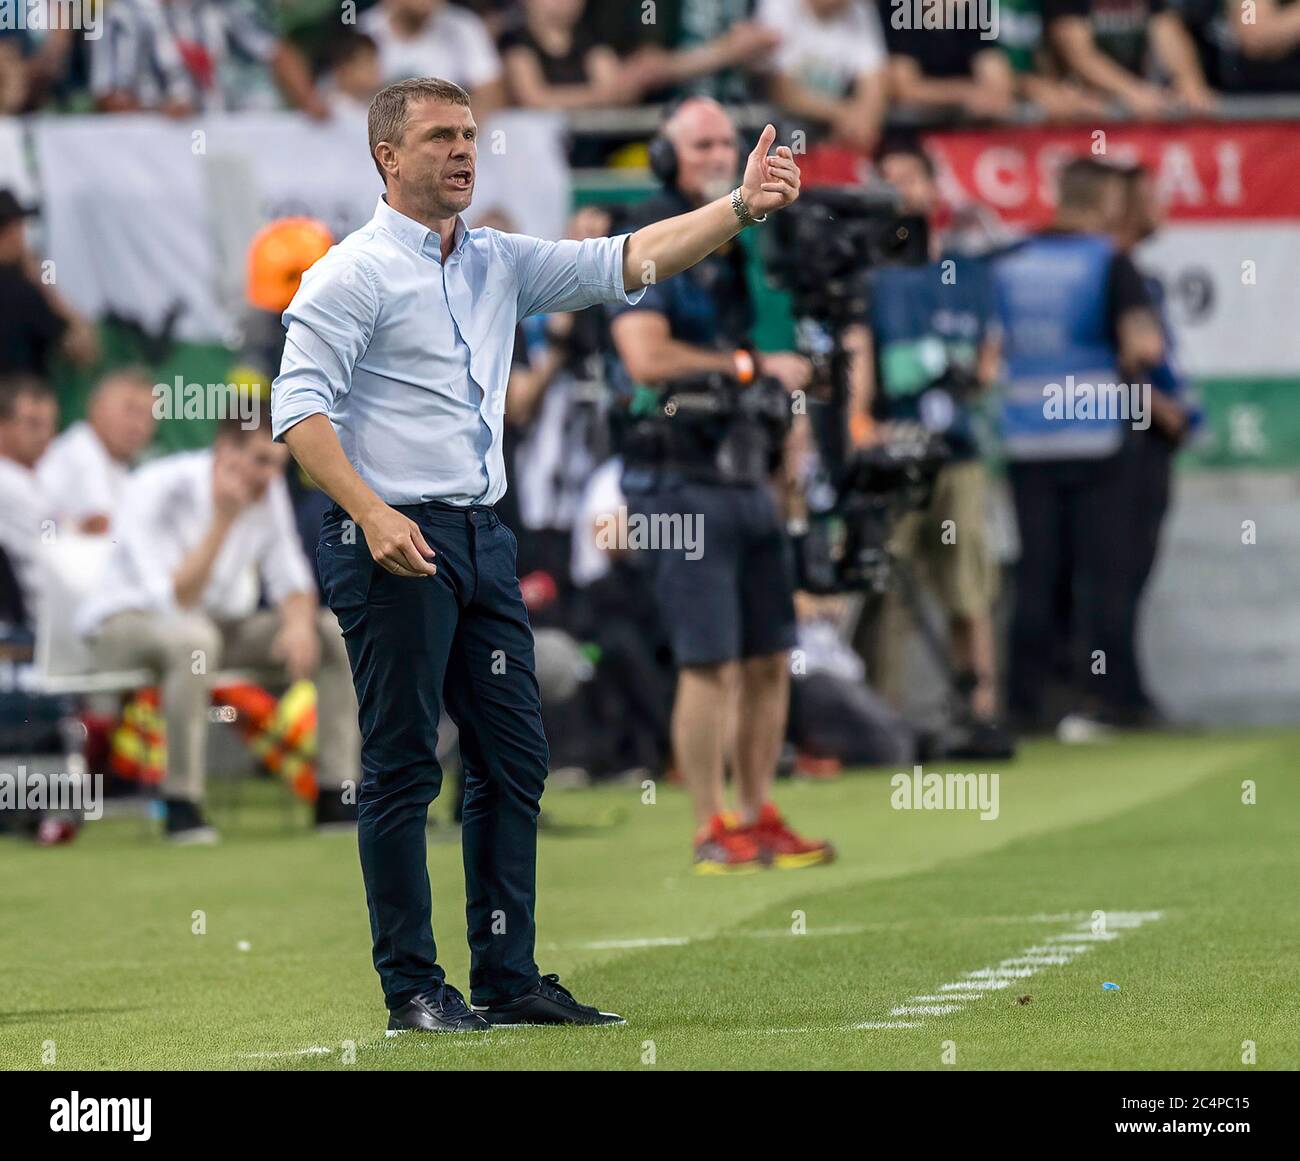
1109,987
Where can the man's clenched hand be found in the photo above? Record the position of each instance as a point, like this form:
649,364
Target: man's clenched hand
396,543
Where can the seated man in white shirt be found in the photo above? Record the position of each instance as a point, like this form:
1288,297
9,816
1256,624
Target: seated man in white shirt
85,472
29,417
196,534
830,67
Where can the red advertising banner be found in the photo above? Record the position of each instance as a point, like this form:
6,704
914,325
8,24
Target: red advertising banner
1204,171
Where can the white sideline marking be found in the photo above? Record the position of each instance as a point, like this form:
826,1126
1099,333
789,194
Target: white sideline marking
632,943
314,1050
885,1024
1062,949
947,997
985,985
1037,959
653,941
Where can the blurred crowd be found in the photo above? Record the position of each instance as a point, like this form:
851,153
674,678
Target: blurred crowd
237,523
840,66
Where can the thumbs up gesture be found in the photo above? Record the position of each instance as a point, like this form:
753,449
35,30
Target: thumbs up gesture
770,182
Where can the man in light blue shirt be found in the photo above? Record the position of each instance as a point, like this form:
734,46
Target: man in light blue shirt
391,397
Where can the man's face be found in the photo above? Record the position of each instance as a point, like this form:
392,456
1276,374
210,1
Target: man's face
359,76
25,437
257,458
565,13
122,415
437,158
706,151
12,240
916,187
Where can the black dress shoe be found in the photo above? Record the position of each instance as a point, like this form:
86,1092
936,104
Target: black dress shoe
546,1002
441,1009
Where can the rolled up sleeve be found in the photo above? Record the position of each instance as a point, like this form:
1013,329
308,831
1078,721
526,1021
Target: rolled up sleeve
569,275
328,325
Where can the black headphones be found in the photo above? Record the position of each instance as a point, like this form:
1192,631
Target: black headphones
663,153
663,160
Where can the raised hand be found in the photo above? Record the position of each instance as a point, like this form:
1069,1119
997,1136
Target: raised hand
770,183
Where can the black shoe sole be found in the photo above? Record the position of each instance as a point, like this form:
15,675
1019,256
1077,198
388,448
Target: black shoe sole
506,1022
391,1031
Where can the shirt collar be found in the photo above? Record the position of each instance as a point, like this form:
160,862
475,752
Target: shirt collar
415,235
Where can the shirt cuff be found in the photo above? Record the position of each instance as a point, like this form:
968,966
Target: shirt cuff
293,413
612,275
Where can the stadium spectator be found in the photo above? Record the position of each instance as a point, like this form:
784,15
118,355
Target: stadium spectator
33,57
830,68
1114,45
187,56
552,62
354,75
1261,50
29,417
700,65
1076,315
432,38
1150,453
931,354
946,63
1020,36
197,532
35,322
85,472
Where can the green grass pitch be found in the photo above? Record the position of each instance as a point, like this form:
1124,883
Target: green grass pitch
778,969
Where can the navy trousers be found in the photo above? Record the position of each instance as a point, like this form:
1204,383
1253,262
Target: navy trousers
461,635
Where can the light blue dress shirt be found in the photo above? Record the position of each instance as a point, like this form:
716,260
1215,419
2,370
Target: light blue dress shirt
409,355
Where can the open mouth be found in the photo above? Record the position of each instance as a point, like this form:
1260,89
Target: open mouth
462,178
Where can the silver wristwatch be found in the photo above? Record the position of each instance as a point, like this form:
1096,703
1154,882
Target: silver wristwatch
742,211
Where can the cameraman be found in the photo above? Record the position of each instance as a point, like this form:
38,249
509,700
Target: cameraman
728,607
930,354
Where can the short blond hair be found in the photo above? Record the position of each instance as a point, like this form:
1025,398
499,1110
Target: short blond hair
389,109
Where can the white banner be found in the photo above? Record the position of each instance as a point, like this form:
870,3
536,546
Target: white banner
1233,295
143,212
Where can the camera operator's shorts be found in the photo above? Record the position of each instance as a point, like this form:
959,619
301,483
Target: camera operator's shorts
960,567
723,570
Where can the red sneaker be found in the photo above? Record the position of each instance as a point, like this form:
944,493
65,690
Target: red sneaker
723,847
811,766
783,847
